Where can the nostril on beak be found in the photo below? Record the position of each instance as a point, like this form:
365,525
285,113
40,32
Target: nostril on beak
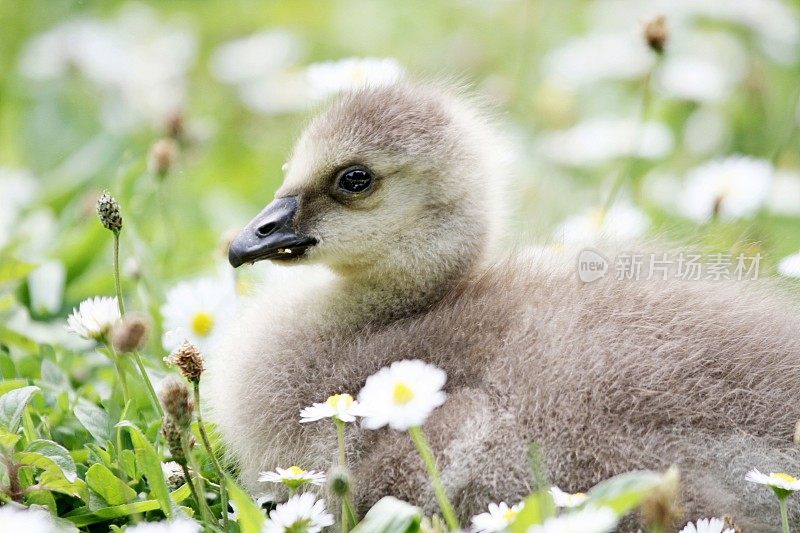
265,229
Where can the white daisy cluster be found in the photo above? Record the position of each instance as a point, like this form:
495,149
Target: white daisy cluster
138,62
707,525
265,69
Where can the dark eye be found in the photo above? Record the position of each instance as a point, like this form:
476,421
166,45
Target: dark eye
354,180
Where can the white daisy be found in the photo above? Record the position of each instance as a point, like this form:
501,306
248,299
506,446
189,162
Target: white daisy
402,395
330,77
15,517
293,477
499,517
138,61
621,222
590,520
790,266
178,525
565,499
775,480
732,187
339,406
18,189
598,57
94,318
598,140
197,310
302,512
46,287
695,79
707,525
784,198
256,56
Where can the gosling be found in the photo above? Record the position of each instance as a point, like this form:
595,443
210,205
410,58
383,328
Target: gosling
393,200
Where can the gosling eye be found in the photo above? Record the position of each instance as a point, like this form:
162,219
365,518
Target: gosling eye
354,180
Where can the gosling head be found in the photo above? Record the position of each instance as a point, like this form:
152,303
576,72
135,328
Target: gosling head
391,179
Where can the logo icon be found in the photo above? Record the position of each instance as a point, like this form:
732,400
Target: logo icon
592,265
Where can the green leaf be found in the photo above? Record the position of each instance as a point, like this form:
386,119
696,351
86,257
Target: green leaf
95,420
49,456
83,516
149,465
539,506
44,498
11,384
251,517
624,492
113,490
55,481
14,338
390,515
52,374
12,405
8,440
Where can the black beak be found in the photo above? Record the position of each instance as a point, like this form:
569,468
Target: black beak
270,235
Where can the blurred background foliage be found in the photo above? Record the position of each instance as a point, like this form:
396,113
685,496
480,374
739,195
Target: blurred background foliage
88,87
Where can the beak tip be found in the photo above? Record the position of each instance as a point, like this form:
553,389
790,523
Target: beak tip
234,257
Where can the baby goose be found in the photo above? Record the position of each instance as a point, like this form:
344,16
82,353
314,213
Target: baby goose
395,191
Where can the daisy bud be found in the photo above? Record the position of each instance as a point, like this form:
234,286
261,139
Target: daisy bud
660,510
108,211
174,437
175,125
189,361
339,481
129,335
656,34
162,156
177,403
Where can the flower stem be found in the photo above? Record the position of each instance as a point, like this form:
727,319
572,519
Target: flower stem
626,166
117,284
784,515
189,482
200,495
151,392
121,303
430,463
343,463
123,378
223,491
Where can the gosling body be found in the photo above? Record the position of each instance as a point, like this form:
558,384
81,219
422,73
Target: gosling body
604,377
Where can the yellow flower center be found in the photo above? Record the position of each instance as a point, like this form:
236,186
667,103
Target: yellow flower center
597,217
296,470
576,498
337,400
402,394
202,323
510,515
783,477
